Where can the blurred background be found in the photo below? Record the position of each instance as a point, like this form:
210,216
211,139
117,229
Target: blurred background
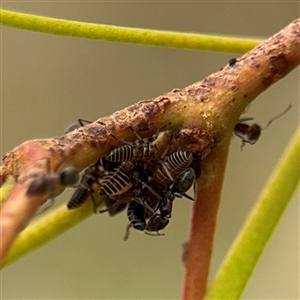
50,81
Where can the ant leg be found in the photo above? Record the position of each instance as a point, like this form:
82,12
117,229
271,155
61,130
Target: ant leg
243,144
135,133
127,232
45,207
119,140
152,234
115,208
245,119
149,188
101,211
94,203
82,121
151,139
144,203
185,195
167,171
155,136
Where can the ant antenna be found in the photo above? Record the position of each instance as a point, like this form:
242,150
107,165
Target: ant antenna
278,116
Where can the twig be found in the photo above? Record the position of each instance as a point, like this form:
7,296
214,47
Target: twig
206,110
198,250
271,56
123,34
245,252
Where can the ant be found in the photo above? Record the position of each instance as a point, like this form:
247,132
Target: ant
40,184
251,133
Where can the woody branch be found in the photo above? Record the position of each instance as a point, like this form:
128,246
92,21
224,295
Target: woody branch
205,112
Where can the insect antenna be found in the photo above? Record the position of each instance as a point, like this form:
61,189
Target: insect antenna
277,117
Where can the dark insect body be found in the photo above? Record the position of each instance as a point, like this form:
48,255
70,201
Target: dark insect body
122,191
232,62
247,133
133,176
79,197
183,183
46,183
72,127
131,183
158,218
91,177
175,164
115,204
85,188
156,223
136,215
166,205
176,189
250,133
138,192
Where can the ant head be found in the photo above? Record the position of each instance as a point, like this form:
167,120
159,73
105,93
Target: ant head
69,176
248,133
72,127
254,133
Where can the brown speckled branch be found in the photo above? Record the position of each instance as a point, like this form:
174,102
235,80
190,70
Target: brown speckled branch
204,112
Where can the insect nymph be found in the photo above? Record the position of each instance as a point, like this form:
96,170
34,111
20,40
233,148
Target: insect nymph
91,177
141,149
140,176
170,168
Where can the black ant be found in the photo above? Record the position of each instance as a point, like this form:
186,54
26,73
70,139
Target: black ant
46,183
251,133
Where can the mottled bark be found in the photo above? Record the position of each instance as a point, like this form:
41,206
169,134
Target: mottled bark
201,116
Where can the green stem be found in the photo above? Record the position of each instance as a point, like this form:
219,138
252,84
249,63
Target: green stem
126,34
6,190
48,228
245,252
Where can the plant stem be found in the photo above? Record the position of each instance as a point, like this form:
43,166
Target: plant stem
6,190
198,250
51,225
203,114
125,34
241,259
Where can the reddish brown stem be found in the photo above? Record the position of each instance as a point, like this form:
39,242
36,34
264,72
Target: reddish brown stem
198,250
16,209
